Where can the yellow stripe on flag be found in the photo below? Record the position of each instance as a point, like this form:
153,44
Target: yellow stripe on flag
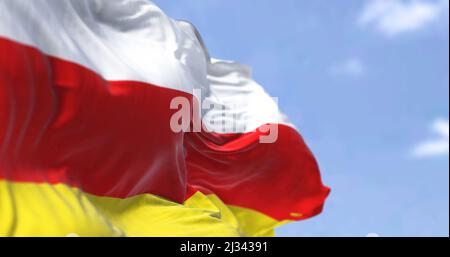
31,209
28,209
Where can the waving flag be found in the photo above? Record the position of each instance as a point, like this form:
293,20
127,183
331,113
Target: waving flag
87,145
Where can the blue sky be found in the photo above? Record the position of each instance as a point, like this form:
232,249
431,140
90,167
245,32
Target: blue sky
367,84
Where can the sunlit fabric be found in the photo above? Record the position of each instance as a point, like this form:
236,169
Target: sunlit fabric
86,146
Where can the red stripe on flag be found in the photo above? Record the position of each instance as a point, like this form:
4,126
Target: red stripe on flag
62,123
281,179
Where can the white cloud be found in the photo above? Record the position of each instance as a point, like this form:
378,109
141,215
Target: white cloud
373,235
393,17
438,146
351,67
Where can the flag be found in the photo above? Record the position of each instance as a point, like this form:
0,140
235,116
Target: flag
90,140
